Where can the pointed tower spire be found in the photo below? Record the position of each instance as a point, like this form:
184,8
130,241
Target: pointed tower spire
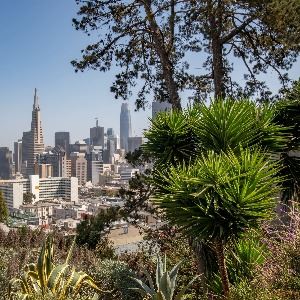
36,100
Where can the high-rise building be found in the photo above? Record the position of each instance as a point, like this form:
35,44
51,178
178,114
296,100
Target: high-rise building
97,135
160,107
109,152
125,126
79,167
135,143
5,163
94,164
33,141
18,156
62,139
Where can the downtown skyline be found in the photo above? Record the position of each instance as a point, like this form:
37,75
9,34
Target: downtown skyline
36,51
85,125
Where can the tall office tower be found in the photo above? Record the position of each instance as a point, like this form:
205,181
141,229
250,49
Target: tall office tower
109,152
160,107
97,135
62,139
94,163
125,126
5,163
135,142
18,156
79,167
33,142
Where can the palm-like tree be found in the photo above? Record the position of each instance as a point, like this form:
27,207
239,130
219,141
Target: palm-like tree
219,197
211,170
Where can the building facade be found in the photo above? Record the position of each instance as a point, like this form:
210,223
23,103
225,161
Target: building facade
135,142
5,163
94,164
18,156
125,126
79,167
97,135
44,189
62,139
33,141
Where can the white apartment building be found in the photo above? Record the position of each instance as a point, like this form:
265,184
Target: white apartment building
44,189
128,173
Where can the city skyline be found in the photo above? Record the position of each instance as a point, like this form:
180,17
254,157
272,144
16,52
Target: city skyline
72,140
37,53
39,45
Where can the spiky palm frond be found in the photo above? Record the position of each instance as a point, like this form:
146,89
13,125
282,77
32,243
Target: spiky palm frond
230,125
220,195
170,139
288,114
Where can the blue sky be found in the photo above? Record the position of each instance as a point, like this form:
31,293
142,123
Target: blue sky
37,44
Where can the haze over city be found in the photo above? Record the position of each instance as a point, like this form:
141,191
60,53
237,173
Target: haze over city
38,43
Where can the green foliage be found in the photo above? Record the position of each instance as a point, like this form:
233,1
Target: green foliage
243,260
3,209
170,139
288,114
245,257
149,43
91,230
223,125
115,275
45,280
221,187
220,196
165,283
28,198
245,290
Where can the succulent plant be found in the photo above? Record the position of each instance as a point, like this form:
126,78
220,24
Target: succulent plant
165,283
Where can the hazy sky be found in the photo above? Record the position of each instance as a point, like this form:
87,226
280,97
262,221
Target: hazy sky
37,44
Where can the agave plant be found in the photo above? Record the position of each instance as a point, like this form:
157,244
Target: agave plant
165,283
44,279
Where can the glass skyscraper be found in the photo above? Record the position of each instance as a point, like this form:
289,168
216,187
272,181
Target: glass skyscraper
125,126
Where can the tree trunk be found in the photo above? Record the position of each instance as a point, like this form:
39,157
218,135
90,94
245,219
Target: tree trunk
163,54
218,70
219,248
215,22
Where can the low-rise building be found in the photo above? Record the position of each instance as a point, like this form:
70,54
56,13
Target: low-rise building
43,189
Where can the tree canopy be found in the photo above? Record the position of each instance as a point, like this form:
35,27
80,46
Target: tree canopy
155,45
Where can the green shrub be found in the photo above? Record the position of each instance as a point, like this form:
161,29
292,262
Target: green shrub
115,276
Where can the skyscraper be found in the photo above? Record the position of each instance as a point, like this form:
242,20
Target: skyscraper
5,163
32,141
97,135
125,126
18,156
62,139
135,142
